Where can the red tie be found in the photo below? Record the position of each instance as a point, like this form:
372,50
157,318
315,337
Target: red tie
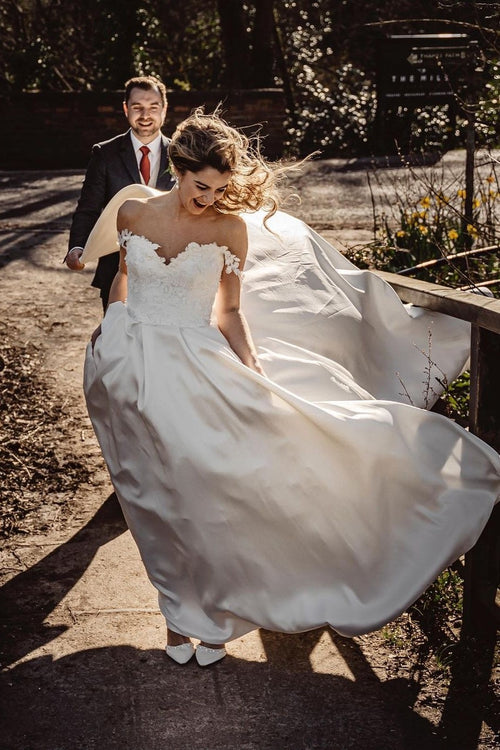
145,166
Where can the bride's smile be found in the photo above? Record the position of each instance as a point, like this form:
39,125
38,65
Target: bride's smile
199,190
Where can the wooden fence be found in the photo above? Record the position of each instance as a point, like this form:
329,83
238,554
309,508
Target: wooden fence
482,563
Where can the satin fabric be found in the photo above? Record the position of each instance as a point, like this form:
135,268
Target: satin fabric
313,496
300,291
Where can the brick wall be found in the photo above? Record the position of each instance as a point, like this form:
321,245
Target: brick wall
56,130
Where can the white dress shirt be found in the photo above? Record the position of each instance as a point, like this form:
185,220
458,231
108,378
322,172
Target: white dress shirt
154,157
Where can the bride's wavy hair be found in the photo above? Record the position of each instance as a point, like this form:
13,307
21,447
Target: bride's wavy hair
206,140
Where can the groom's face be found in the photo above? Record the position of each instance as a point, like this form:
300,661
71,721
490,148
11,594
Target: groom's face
145,113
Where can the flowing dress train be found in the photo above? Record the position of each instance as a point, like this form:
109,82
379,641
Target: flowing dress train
319,494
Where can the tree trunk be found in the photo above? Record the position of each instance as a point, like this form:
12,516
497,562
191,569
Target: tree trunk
263,53
235,42
285,72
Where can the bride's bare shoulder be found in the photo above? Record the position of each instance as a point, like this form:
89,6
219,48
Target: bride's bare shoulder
231,232
235,233
233,224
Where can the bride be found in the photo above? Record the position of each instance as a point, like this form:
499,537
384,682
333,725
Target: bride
292,482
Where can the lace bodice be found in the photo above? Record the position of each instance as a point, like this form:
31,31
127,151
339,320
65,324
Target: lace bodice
180,292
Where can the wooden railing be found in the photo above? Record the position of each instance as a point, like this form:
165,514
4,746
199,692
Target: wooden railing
482,563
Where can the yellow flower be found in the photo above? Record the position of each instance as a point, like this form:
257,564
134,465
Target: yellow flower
422,214
490,179
461,194
453,234
476,203
442,200
471,229
426,201
493,194
401,233
423,230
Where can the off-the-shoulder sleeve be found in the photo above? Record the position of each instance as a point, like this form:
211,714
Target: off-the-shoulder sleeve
232,263
123,237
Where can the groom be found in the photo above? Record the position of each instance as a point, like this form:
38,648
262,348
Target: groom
137,156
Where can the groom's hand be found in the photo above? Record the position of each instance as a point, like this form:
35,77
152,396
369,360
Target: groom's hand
72,259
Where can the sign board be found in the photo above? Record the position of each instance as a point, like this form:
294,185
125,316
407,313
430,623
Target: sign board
421,68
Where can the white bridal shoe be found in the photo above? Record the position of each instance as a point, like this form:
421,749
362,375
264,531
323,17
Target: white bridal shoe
182,653
206,656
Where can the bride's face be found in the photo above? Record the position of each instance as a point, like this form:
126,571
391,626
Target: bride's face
199,190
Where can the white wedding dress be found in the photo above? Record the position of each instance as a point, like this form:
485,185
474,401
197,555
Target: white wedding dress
312,496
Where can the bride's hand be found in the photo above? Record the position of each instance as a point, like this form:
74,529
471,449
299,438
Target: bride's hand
95,336
256,366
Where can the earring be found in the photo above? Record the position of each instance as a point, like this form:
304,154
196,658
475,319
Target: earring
173,174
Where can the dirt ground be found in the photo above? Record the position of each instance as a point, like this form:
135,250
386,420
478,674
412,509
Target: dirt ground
82,639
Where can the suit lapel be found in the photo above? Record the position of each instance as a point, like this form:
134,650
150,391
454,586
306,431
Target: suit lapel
164,181
129,159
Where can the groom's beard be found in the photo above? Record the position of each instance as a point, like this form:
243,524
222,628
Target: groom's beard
142,131
149,130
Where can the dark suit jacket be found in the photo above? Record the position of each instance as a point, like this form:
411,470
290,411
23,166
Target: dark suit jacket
112,166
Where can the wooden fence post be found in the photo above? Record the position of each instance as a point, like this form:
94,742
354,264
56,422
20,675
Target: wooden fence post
482,563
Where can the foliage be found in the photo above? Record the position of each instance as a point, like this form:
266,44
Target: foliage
426,129
322,52
438,611
64,45
431,626
331,105
487,110
437,127
330,62
428,223
181,45
47,44
444,595
456,399
334,119
330,71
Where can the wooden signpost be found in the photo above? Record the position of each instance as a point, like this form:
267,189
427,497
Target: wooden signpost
417,70
421,69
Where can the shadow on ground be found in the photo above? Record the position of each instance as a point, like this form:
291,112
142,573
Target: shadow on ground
34,204
28,598
122,697
51,200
